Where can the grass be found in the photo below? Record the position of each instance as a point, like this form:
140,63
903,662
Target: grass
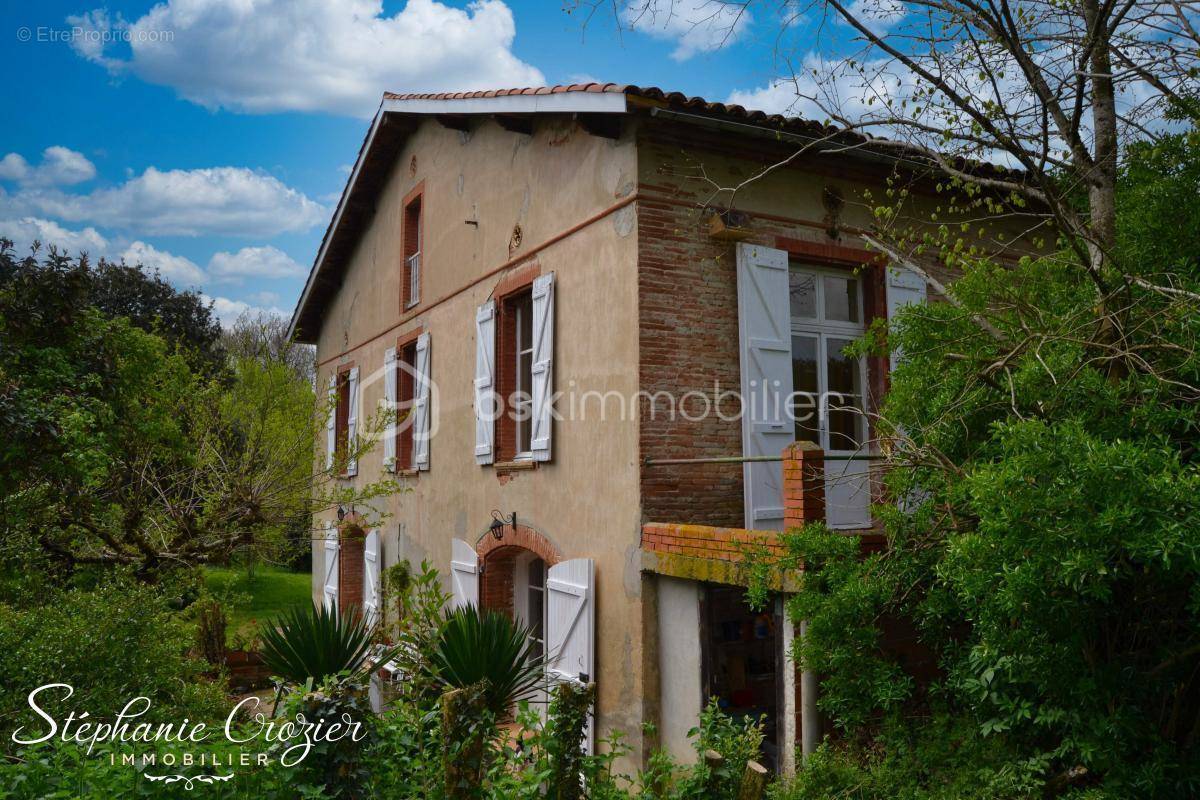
260,596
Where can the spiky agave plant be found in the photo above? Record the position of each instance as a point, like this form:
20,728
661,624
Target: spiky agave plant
315,642
477,646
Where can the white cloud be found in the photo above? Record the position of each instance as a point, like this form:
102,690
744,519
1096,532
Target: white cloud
175,269
13,167
60,166
26,230
697,26
314,55
853,90
254,262
216,200
264,298
228,311
877,15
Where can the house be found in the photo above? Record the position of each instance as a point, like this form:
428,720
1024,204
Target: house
537,278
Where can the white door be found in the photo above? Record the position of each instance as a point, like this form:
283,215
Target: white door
332,551
464,575
371,563
764,351
570,627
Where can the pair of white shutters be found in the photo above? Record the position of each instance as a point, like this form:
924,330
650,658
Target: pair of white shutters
541,391
351,420
765,355
570,614
419,413
372,561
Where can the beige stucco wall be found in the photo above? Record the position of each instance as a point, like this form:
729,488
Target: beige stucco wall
585,499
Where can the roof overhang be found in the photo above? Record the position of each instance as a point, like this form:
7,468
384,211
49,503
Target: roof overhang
393,122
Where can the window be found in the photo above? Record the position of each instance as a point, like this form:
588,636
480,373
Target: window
827,316
535,605
406,360
514,372
412,253
514,367
523,372
342,416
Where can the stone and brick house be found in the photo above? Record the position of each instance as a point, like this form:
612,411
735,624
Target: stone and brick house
536,277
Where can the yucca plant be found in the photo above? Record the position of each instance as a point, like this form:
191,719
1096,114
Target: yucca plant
485,646
315,642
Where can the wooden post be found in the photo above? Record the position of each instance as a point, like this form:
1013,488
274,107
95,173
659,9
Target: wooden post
754,782
715,763
464,746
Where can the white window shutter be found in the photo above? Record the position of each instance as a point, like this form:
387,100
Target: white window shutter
571,626
371,565
765,355
485,382
389,408
331,423
332,552
904,287
420,408
464,575
352,420
848,493
541,396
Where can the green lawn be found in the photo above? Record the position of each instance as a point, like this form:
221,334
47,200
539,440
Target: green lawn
270,591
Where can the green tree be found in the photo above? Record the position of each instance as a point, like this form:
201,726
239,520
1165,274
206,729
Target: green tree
120,452
1046,539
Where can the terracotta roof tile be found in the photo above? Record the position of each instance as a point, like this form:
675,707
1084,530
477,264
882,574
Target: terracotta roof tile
676,100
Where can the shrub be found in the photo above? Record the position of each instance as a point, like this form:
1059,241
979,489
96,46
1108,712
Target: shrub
210,630
314,643
337,766
477,647
111,644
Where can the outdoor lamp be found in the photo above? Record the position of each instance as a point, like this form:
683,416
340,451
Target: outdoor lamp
498,523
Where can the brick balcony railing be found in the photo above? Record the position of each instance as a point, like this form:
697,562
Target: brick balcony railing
704,552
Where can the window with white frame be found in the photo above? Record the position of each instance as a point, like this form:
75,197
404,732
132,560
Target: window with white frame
523,388
529,598
412,254
829,386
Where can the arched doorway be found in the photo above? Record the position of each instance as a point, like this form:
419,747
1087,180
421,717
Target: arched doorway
513,579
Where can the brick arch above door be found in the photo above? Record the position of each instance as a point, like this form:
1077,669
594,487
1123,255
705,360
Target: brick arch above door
523,537
499,559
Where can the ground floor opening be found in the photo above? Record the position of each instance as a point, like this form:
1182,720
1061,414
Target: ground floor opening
742,661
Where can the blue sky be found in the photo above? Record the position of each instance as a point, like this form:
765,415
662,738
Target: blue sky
212,144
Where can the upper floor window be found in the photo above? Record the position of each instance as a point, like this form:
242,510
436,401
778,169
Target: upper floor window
514,368
342,424
407,363
412,253
827,316
521,308
342,421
